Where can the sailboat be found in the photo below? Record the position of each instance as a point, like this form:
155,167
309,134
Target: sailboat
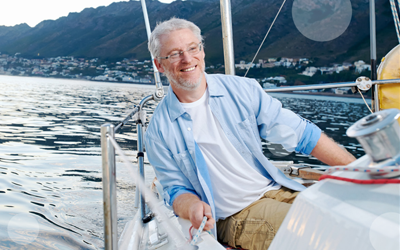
350,207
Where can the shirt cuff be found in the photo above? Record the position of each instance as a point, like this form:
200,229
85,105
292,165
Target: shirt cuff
175,191
309,139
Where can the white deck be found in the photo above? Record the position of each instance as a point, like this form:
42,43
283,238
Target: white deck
334,214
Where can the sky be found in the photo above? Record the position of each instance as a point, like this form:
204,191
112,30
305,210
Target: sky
32,12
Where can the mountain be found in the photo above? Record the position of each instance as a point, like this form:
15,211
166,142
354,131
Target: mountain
118,31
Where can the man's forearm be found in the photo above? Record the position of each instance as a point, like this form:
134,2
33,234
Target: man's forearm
330,153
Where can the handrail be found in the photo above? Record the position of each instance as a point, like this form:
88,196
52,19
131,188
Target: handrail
329,85
109,146
109,172
140,149
126,120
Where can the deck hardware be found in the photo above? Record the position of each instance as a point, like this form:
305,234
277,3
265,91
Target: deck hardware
379,135
147,218
364,83
287,170
296,168
139,154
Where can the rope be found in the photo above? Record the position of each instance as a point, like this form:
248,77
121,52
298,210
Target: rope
266,37
197,235
395,17
365,170
364,100
366,182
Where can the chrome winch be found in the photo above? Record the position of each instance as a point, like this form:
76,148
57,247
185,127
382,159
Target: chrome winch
379,135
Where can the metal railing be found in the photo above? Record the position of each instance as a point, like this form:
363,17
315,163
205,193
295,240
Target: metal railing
109,146
329,85
109,188
109,178
108,156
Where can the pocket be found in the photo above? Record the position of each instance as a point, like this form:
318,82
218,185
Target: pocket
227,230
255,234
246,233
184,163
248,131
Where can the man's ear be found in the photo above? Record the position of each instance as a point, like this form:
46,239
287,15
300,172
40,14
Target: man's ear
158,65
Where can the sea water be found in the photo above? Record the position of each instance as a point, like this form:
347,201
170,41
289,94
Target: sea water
50,155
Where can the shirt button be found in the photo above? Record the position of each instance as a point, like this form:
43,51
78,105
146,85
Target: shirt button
189,129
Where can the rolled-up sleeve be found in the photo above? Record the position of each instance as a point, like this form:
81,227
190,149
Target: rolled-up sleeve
168,173
279,125
309,138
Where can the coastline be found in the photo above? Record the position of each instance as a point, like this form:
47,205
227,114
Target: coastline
83,79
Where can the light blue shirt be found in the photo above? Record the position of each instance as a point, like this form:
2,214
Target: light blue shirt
246,114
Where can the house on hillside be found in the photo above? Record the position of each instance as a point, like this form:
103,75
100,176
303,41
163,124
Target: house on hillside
361,66
310,71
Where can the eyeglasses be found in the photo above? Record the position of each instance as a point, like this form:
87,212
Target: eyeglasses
175,56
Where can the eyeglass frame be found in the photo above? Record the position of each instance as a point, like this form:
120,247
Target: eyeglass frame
200,44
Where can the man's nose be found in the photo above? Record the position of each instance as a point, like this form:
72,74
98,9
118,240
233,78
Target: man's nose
186,56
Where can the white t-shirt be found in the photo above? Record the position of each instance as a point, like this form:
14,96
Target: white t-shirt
235,183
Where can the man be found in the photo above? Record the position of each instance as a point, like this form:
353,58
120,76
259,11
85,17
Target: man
204,143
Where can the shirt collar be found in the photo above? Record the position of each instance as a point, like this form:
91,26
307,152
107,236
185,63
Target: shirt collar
175,108
214,87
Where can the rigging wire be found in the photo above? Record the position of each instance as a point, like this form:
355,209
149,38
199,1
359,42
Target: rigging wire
266,37
395,17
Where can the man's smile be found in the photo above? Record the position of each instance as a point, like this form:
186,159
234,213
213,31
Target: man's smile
189,69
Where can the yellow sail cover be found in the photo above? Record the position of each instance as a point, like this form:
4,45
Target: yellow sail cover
389,94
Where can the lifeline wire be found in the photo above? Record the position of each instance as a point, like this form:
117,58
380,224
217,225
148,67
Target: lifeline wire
265,37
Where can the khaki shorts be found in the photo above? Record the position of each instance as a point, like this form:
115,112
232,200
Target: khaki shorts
255,226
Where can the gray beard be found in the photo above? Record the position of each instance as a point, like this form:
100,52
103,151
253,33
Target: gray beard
183,84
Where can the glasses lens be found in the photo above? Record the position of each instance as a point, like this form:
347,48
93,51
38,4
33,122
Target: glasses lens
191,50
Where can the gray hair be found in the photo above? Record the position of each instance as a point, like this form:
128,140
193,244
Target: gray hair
168,27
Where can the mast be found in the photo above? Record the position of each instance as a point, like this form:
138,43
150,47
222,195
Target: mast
227,36
372,32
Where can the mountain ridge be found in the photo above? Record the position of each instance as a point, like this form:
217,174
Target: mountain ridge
118,31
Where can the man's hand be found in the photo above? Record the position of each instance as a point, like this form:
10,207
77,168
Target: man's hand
197,211
190,207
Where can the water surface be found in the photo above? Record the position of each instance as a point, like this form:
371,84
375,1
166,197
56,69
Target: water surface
50,162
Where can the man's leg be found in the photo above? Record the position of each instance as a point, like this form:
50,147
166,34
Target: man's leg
255,226
283,195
